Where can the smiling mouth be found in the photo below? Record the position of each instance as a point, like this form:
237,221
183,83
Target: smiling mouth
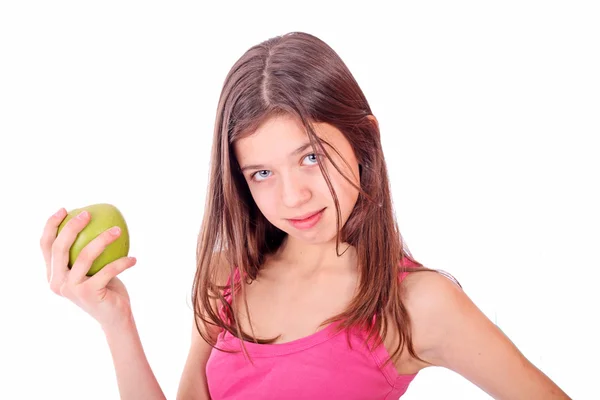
307,216
308,222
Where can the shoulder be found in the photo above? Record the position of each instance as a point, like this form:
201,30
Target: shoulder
193,378
426,292
432,301
222,277
217,279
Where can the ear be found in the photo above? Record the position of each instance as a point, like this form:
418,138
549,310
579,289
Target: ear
373,120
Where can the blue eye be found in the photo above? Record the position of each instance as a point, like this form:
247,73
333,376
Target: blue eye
313,158
261,175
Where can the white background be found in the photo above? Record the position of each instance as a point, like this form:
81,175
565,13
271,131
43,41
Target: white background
490,119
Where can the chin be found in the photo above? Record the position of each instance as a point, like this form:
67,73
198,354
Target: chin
316,237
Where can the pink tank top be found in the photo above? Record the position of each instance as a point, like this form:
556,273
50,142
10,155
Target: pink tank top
317,367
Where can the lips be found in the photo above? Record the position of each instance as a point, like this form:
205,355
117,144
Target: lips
306,216
308,221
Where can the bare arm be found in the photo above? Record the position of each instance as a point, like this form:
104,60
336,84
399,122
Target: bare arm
134,375
456,335
193,384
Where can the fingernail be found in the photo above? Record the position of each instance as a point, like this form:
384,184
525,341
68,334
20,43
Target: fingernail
83,215
115,230
58,213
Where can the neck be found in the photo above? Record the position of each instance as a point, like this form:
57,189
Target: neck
302,257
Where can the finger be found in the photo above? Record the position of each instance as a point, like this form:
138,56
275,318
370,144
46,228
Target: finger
102,277
48,236
90,252
59,260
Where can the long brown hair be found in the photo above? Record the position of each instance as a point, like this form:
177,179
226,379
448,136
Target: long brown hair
300,75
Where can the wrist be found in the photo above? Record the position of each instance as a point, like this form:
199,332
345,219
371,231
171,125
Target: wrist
119,325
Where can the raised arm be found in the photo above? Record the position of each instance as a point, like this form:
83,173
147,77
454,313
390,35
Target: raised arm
134,376
103,296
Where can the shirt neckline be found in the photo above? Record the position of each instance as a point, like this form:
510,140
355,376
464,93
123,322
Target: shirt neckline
278,349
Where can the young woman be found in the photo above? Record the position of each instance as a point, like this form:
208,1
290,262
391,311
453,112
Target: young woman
304,288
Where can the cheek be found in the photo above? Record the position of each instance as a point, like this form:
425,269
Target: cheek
347,196
265,201
346,193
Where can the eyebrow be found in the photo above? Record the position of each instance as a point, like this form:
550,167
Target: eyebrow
261,166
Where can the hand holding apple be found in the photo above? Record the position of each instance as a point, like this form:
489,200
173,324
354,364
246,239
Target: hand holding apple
83,257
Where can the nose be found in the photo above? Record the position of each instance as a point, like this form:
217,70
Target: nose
294,191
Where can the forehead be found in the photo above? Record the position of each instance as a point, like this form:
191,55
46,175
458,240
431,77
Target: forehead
278,137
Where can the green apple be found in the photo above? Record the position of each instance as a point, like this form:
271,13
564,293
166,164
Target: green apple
102,217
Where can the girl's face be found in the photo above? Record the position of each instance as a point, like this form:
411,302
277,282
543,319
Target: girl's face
282,172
